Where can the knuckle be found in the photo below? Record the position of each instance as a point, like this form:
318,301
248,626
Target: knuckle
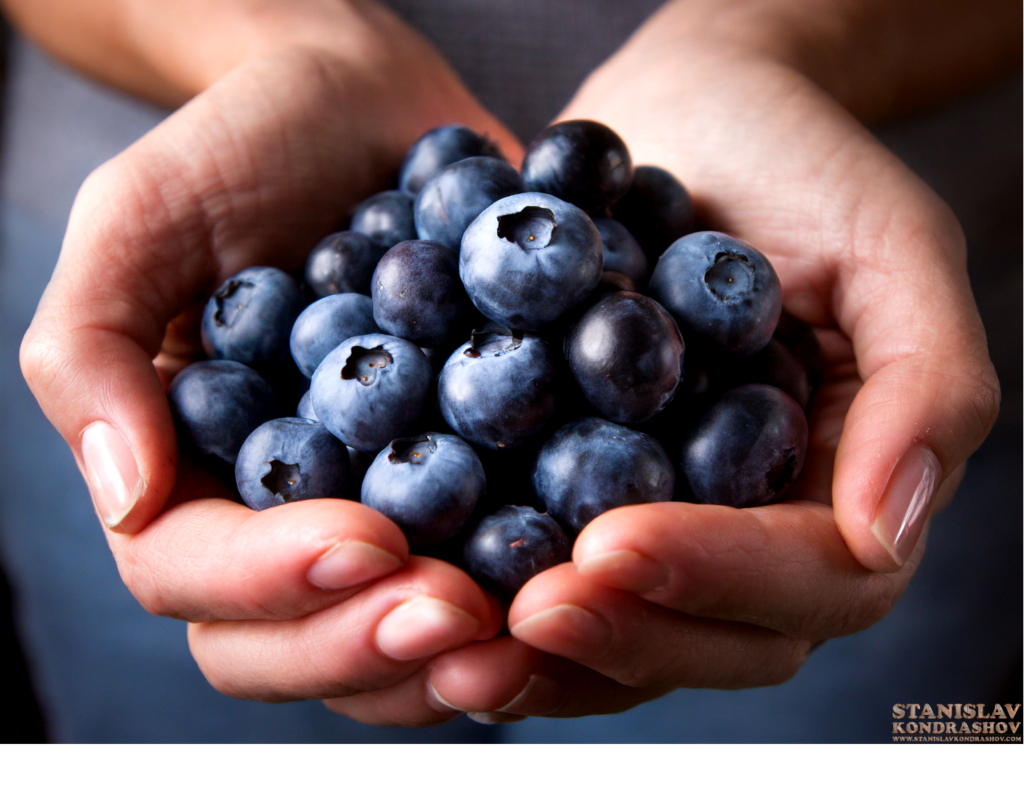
984,396
785,667
139,580
861,611
41,357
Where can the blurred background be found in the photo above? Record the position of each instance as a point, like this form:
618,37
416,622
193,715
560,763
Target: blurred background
86,664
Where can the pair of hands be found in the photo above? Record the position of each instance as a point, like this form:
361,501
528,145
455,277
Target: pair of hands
320,599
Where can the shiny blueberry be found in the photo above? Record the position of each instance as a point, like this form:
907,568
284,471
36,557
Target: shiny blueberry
291,459
512,545
326,324
580,161
592,465
305,408
371,390
612,281
657,210
498,390
385,218
216,404
342,263
747,449
438,148
622,253
459,193
417,293
249,318
428,485
528,259
721,291
626,355
774,365
801,341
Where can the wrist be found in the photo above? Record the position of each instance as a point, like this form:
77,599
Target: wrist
875,57
189,48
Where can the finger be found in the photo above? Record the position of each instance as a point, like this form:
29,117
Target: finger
930,395
785,567
375,639
499,681
639,644
211,558
409,703
826,416
503,680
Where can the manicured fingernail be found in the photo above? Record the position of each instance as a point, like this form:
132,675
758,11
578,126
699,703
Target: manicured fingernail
350,563
904,507
113,475
541,696
626,570
433,696
566,630
494,717
422,627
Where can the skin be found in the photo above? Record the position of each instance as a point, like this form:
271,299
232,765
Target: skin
716,92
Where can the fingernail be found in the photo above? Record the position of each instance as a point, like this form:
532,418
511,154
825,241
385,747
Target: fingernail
541,696
350,563
566,630
494,717
626,570
433,696
903,509
112,473
422,627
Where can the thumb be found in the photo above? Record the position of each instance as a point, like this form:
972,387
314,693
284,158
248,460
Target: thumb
930,395
88,354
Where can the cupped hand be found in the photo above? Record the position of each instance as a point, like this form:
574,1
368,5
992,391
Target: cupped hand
307,600
675,595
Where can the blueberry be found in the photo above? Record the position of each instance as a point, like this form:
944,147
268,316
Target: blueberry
747,449
305,408
801,341
626,355
371,389
591,465
580,161
417,293
511,546
249,318
326,324
498,390
438,148
359,460
291,459
342,263
721,291
216,405
428,485
611,282
459,193
385,218
657,210
622,253
774,365
528,259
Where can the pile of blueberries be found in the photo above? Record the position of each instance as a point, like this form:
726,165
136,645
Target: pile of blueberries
487,357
